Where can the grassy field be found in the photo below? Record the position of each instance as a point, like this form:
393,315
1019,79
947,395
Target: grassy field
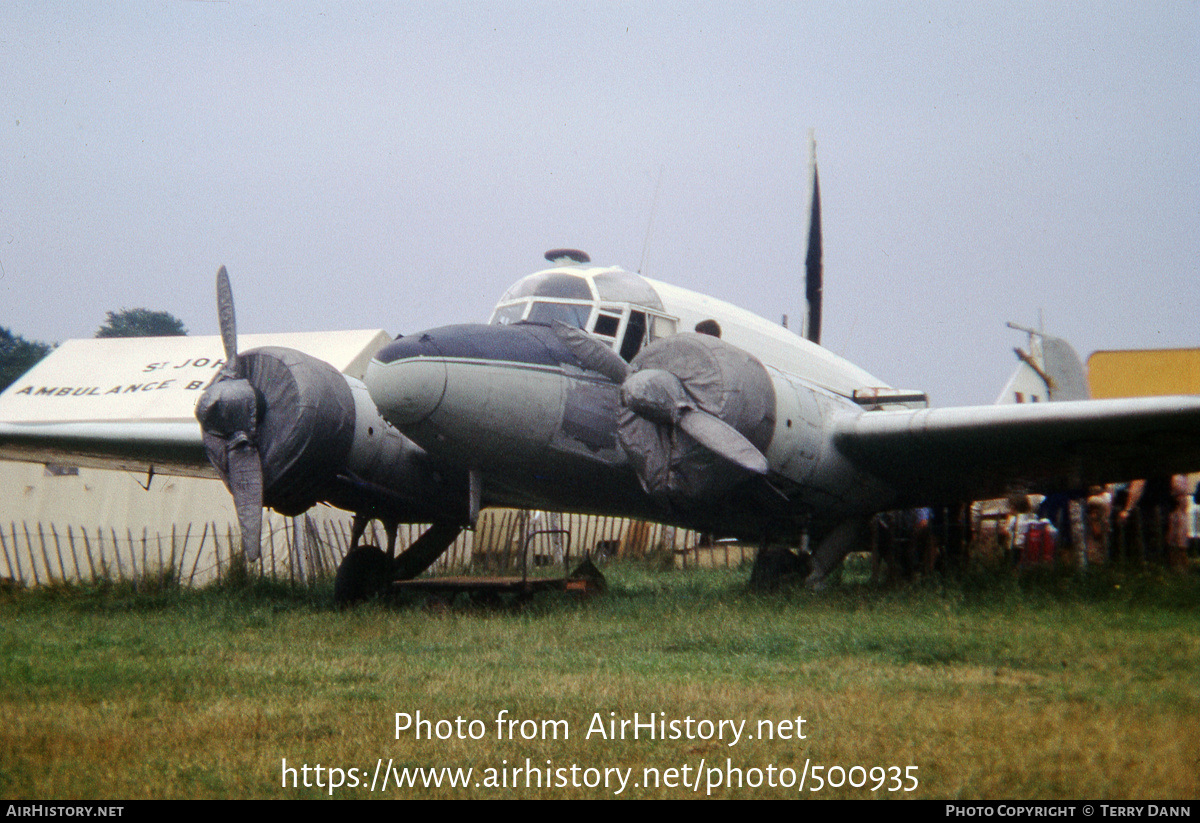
995,687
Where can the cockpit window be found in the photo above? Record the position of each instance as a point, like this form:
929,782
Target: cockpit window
661,327
507,315
573,314
549,284
607,325
623,287
620,308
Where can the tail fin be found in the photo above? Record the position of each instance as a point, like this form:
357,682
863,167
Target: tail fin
1050,371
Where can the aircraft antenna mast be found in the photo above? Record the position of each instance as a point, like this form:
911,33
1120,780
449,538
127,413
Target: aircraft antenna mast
650,222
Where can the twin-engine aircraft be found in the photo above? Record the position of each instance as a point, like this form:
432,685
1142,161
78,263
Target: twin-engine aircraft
596,390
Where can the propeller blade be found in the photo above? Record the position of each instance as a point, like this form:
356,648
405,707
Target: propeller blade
246,484
594,355
661,398
227,320
721,438
814,268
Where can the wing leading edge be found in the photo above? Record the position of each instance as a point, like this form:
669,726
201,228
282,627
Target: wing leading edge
129,403
942,456
169,447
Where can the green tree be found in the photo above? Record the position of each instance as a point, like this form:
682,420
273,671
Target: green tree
17,356
141,323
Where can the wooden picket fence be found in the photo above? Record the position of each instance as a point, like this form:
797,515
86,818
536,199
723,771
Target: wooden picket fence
305,549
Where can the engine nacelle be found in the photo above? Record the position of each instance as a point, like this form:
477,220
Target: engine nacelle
321,439
787,419
717,378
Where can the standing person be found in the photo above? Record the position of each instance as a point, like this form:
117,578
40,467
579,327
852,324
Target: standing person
1016,528
1145,514
1096,533
1177,529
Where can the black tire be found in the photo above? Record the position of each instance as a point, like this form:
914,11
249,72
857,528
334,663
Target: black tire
363,573
776,565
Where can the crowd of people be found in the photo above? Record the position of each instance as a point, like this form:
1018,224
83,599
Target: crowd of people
1143,521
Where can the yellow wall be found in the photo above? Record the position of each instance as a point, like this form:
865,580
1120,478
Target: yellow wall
1144,373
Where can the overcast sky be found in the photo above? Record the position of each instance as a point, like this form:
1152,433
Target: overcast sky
397,165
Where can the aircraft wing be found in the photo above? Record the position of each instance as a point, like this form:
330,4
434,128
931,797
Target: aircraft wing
129,403
941,456
169,446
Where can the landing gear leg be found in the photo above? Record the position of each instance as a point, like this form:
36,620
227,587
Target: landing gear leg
429,547
833,548
356,530
391,528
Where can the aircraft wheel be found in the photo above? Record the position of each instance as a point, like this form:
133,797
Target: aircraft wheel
363,573
775,564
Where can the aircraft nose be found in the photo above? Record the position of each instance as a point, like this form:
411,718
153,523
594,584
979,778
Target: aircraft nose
407,379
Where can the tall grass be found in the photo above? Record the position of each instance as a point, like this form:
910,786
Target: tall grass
993,687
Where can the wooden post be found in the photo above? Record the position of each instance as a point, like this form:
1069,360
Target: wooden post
296,552
133,566
62,573
87,547
183,551
328,566
29,545
7,559
217,547
117,554
62,567
103,559
271,544
199,554
74,553
16,552
506,532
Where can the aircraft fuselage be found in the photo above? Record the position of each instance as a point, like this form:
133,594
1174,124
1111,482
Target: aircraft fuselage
511,401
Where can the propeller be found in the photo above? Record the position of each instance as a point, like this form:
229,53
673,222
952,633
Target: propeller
814,273
667,387
661,397
228,415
